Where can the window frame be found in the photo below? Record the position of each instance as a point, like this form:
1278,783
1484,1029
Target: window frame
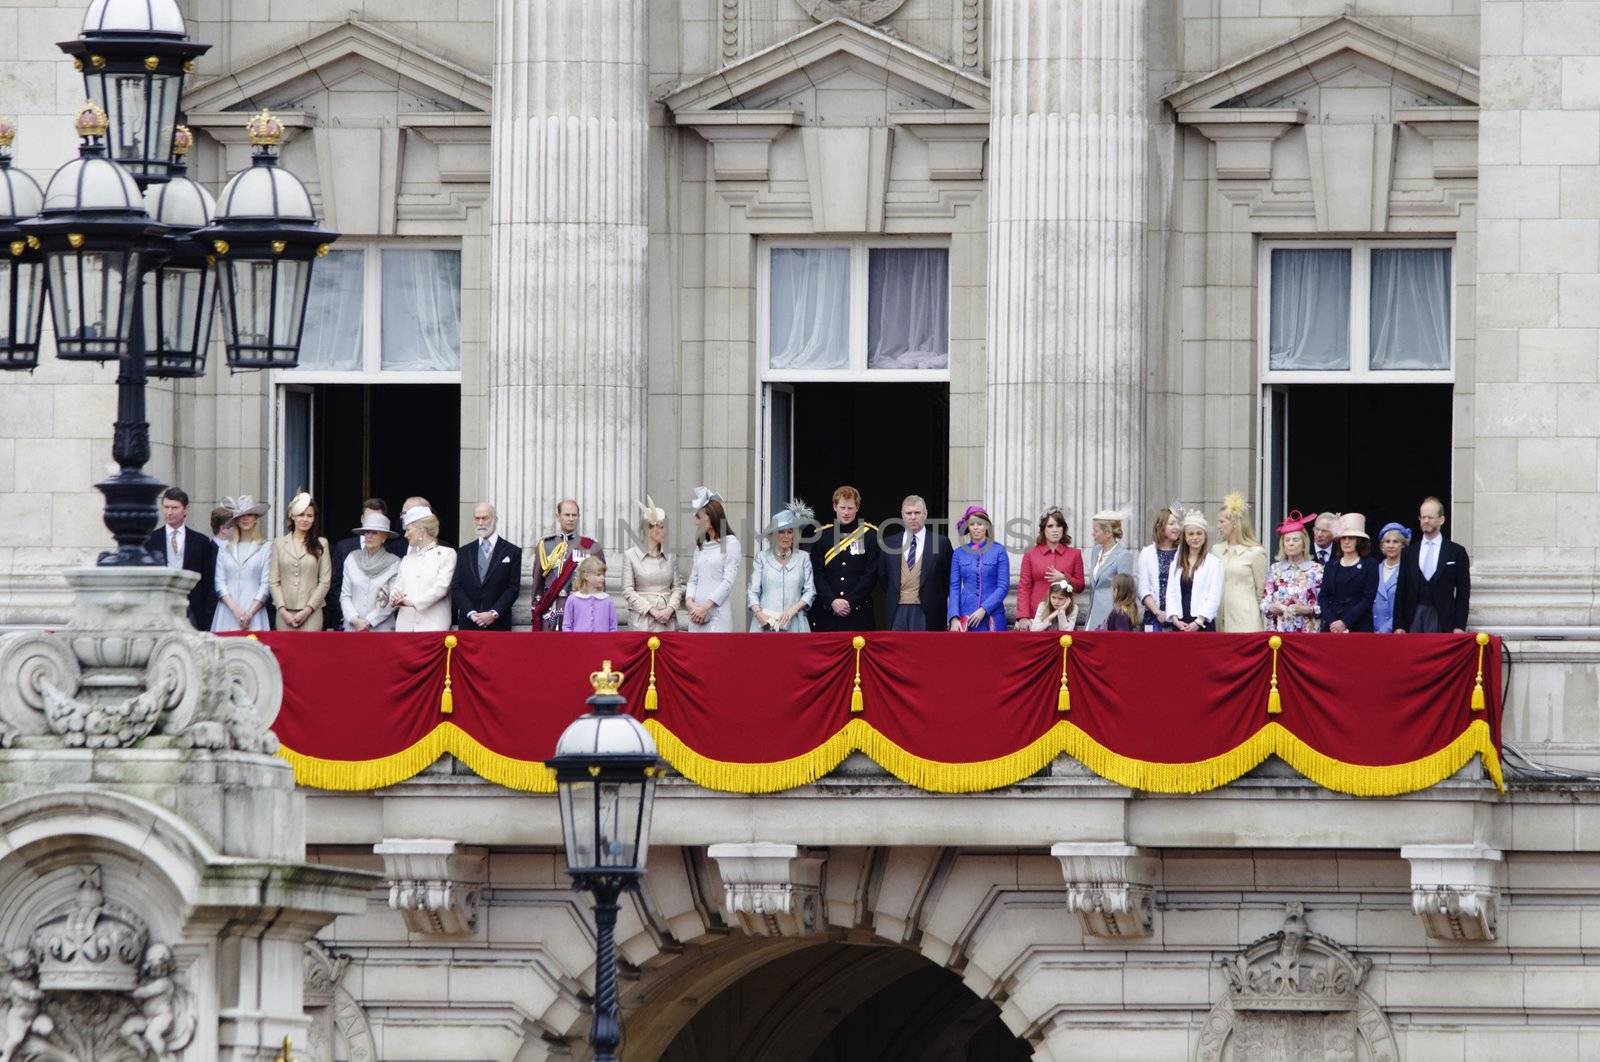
372,370
1360,370
855,370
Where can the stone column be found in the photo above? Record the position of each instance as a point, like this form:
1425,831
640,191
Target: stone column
1066,258
568,232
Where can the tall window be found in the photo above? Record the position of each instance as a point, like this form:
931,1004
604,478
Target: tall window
854,310
1359,310
384,308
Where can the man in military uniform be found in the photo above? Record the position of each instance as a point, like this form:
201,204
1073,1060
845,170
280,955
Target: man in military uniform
555,561
844,561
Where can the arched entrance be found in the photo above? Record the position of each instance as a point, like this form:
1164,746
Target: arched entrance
841,1002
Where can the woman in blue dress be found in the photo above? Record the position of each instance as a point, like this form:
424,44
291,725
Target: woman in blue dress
1392,541
1349,579
781,586
980,575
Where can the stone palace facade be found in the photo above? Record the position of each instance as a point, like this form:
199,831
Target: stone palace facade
1336,254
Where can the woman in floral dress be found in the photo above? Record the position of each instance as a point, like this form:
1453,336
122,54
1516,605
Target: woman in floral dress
1289,596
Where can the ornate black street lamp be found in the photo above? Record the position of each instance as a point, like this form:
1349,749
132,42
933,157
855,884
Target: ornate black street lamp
606,768
131,253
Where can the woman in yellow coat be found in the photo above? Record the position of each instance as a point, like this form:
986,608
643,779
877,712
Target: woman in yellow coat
301,570
1244,568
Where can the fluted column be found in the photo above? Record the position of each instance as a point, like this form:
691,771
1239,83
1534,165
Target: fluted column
1066,257
568,233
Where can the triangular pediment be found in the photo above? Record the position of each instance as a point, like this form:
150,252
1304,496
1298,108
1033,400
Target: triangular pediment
352,56
839,54
1342,52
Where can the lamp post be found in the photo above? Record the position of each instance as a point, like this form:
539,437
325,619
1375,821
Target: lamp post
606,768
129,254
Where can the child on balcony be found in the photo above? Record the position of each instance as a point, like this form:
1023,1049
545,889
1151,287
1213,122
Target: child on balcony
589,608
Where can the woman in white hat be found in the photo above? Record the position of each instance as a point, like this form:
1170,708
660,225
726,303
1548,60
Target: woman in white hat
1244,568
369,573
651,585
1349,580
301,570
242,589
1107,558
782,586
421,590
1194,585
717,557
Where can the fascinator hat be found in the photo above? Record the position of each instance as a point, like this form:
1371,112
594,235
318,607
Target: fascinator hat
796,516
703,496
299,504
1192,518
966,518
651,514
1296,521
1109,516
243,505
413,514
1400,529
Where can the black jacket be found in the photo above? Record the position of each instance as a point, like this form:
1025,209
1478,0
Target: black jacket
933,588
1449,592
199,555
495,593
333,614
851,575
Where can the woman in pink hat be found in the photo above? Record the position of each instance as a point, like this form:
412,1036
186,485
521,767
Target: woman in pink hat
980,575
1350,579
1294,582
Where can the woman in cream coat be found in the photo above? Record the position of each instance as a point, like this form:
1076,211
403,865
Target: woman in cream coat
421,592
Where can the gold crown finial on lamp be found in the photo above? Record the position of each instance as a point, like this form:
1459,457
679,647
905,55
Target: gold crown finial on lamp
264,129
606,681
90,120
182,141
8,132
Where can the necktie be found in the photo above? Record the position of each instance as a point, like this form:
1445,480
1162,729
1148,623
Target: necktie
483,560
174,556
911,553
1430,558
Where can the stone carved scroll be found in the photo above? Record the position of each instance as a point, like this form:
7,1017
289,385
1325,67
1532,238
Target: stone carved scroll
771,890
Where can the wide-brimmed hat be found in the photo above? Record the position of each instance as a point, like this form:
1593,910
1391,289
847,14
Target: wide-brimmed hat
243,505
371,521
796,516
973,510
1401,529
413,514
1296,521
1352,525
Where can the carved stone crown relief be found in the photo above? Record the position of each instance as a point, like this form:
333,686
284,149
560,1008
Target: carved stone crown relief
90,987
1296,995
339,1027
868,11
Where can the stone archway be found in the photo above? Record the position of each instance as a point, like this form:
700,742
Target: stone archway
821,1001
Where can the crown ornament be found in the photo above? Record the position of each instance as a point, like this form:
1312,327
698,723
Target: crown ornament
87,944
182,141
90,120
606,682
264,129
8,132
1295,969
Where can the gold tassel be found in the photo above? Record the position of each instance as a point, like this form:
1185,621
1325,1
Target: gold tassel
856,703
1064,696
1479,702
651,701
1274,701
447,700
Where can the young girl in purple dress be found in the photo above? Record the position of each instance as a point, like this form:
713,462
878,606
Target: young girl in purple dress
589,607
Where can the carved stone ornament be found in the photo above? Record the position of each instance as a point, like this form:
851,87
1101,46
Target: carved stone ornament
436,885
339,1025
771,890
89,987
129,669
1455,889
1296,994
1109,887
868,11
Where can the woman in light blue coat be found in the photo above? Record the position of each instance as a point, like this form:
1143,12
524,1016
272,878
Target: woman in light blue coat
782,586
1102,562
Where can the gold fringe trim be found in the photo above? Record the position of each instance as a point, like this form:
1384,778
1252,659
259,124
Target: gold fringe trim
935,776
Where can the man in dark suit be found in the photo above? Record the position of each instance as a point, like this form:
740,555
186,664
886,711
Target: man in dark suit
333,615
176,546
488,576
914,571
844,563
1435,579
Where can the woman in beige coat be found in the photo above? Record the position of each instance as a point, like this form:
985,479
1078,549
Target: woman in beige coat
651,584
301,570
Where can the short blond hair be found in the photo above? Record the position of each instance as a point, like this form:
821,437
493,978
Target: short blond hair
590,565
428,525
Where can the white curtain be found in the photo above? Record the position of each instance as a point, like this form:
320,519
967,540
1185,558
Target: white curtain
808,291
908,309
331,336
1310,310
422,310
1411,308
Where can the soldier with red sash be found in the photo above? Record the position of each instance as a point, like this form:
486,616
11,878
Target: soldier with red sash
555,565
844,562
